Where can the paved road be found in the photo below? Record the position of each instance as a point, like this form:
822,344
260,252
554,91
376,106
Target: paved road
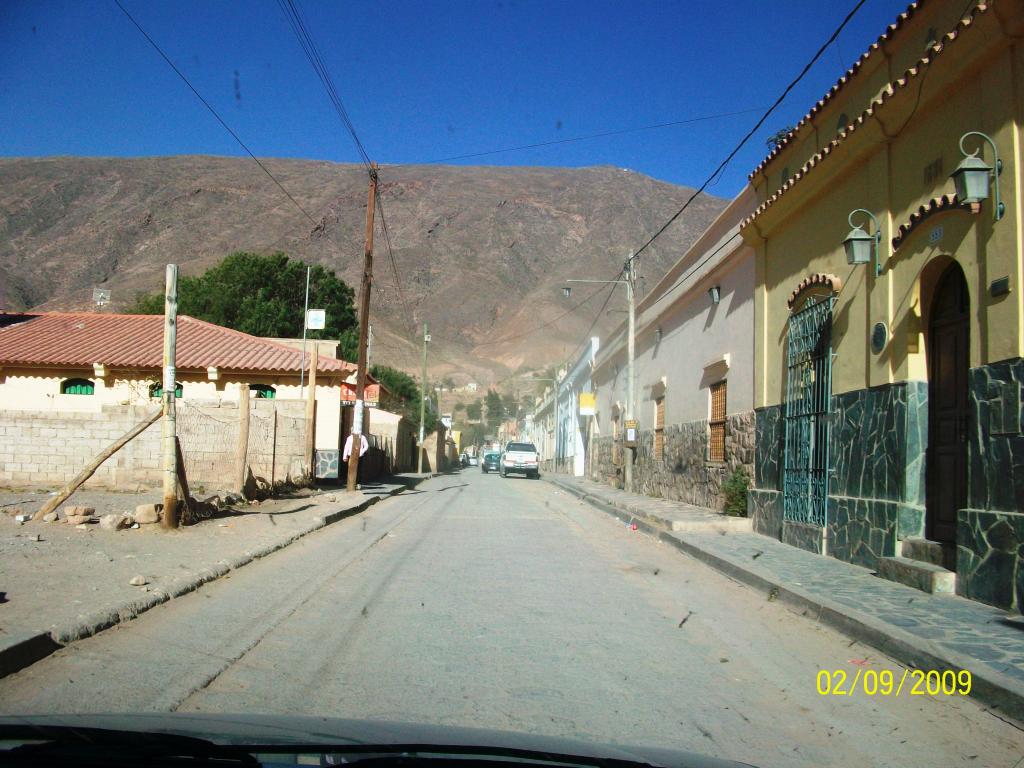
505,603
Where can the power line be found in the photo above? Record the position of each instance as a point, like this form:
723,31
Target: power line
687,276
756,127
213,111
602,134
543,325
394,265
294,16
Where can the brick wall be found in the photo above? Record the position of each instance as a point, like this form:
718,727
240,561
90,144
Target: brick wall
46,449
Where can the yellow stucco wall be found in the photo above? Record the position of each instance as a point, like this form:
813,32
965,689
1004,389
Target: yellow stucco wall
882,166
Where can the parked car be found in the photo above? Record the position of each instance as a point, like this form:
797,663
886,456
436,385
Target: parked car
491,462
520,458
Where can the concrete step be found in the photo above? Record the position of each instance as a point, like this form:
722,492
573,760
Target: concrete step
927,551
927,577
691,519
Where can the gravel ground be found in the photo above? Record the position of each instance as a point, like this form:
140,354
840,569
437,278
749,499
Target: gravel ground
51,583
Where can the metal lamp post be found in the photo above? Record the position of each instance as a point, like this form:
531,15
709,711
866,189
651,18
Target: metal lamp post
630,283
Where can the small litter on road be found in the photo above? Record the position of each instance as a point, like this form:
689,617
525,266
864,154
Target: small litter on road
773,593
757,554
686,618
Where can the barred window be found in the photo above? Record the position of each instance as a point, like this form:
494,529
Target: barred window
716,446
659,428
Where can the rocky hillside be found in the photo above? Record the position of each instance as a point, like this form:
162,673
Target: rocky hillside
481,252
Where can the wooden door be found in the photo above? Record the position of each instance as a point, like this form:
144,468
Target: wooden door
948,361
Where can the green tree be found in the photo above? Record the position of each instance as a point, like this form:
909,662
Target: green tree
404,388
495,409
510,405
459,407
264,296
475,410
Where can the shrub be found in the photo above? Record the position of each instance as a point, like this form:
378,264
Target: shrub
735,491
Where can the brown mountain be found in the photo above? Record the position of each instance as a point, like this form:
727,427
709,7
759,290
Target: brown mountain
480,252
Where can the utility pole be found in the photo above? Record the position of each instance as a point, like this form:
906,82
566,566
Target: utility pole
305,322
423,400
170,451
631,367
364,327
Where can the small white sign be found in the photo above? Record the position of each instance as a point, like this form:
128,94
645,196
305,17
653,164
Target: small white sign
316,319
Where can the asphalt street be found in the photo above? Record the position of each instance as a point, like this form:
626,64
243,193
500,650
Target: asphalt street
508,604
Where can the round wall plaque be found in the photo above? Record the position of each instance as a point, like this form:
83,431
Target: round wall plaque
879,335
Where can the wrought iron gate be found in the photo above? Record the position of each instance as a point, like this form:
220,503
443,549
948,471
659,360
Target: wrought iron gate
808,404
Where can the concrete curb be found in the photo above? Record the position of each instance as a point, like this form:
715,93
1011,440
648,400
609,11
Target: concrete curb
989,686
19,650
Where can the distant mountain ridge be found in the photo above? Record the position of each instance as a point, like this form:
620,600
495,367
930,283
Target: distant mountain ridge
481,252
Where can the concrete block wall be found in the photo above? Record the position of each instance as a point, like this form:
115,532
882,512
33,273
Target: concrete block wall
47,449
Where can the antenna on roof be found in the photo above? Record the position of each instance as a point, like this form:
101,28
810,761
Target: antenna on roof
100,297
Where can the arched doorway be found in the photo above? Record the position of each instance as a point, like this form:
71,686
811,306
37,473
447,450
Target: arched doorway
948,363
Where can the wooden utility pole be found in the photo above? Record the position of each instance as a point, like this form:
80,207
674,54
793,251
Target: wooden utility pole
242,456
311,412
364,326
423,401
170,451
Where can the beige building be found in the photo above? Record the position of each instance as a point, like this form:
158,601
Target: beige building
79,363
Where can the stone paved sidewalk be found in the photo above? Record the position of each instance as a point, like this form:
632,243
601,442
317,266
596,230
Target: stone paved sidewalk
62,583
923,630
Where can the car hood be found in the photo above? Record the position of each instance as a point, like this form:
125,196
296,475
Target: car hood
296,730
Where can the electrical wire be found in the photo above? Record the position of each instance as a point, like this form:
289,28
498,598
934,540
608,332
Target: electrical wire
213,111
309,47
602,134
807,67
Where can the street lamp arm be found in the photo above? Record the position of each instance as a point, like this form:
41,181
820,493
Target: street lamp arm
605,282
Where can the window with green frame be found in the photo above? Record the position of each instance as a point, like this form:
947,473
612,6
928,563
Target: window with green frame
157,390
262,391
77,387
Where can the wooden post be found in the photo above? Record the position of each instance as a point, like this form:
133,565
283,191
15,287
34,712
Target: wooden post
170,454
364,325
311,413
186,495
90,469
242,456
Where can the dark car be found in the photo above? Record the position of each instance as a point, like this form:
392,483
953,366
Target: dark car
490,462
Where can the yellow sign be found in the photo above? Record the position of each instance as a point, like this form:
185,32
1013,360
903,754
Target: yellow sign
588,403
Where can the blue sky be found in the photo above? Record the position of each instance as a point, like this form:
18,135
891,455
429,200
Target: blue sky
423,81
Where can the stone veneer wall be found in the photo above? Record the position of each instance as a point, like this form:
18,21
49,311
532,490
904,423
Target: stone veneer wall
990,532
684,473
876,489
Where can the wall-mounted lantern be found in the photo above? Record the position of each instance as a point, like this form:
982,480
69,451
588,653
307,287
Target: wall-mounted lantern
860,246
971,177
715,294
657,335
566,291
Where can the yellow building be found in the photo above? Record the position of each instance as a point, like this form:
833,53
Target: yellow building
888,405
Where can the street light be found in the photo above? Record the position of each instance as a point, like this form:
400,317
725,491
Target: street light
630,283
971,177
859,245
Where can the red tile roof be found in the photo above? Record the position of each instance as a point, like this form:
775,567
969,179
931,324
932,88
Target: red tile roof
835,89
136,341
877,104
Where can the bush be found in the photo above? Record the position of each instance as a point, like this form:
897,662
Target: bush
735,491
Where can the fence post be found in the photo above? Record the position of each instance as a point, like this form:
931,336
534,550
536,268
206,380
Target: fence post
241,457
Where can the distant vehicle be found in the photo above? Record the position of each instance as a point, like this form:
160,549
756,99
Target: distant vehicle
473,461
491,462
522,459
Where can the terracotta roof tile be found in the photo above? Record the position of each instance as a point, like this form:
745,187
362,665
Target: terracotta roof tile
933,206
833,283
136,341
885,96
840,83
